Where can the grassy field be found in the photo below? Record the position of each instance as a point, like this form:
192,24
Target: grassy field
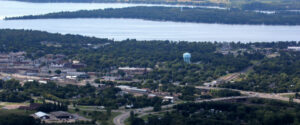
114,114
289,95
84,113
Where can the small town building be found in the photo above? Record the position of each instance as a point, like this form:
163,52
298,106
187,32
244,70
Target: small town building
151,95
62,115
294,48
132,89
41,115
168,99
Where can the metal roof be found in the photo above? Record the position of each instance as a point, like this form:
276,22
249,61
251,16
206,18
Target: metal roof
40,114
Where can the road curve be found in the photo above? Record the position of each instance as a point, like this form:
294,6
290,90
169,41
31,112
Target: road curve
277,96
120,119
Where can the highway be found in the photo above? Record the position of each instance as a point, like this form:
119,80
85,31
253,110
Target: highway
277,96
120,119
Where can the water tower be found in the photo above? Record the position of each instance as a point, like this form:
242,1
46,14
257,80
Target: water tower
187,57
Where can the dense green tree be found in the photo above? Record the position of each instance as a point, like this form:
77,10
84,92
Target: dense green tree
199,15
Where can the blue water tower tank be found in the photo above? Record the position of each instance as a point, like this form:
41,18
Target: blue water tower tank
187,57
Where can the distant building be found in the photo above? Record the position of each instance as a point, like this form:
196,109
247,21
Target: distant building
151,95
83,76
75,61
294,48
78,65
135,71
168,99
52,65
41,115
187,57
62,115
42,82
129,106
71,77
75,73
110,78
132,89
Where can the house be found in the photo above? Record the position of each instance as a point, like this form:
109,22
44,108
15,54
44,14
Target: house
168,99
41,115
62,115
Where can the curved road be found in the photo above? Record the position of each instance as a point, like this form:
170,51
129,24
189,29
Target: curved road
277,96
120,119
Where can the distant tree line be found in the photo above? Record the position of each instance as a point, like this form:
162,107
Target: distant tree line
240,4
224,113
173,2
198,15
273,6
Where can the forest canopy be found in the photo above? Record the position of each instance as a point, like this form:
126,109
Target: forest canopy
197,15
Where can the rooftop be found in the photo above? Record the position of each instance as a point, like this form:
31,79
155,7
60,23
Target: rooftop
40,114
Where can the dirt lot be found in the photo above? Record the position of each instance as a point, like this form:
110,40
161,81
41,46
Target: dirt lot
9,106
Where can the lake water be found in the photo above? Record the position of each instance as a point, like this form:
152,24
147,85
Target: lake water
15,8
120,29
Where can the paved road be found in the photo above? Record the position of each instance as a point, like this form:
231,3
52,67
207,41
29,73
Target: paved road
277,96
120,119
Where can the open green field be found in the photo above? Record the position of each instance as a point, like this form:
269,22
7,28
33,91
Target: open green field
87,114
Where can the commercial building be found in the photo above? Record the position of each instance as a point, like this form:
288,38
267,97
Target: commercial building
132,89
62,115
134,71
168,99
294,48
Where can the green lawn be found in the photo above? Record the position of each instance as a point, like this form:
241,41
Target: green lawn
83,113
289,95
111,119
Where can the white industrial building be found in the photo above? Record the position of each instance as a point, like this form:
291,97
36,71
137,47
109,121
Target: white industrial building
132,89
41,115
294,48
168,99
